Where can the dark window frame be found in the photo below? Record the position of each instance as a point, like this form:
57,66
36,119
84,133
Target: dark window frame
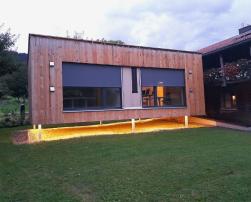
134,80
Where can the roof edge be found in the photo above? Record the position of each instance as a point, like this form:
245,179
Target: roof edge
107,43
225,47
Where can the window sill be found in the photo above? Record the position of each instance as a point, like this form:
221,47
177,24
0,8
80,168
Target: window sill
92,110
122,109
171,107
228,109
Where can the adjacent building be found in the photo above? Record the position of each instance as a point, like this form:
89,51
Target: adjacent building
227,77
72,81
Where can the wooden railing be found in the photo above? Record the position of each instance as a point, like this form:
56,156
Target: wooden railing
230,73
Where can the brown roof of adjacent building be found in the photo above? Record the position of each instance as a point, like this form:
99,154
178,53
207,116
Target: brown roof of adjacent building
222,45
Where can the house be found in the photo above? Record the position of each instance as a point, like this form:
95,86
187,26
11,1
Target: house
227,77
72,81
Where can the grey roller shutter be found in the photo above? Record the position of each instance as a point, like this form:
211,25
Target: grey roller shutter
166,77
89,75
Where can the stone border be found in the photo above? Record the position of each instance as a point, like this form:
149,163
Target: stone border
20,137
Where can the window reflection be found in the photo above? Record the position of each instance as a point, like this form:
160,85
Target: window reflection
161,96
84,98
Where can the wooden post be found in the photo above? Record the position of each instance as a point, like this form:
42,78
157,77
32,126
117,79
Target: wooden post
223,71
186,121
133,125
39,132
100,122
247,95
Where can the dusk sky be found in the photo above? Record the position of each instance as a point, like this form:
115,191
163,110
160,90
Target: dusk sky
179,24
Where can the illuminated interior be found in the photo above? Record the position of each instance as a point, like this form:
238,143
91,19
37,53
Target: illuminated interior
161,96
234,100
228,101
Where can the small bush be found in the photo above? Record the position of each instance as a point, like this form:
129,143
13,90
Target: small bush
10,112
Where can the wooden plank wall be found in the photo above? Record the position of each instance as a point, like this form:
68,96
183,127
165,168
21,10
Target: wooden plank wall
47,107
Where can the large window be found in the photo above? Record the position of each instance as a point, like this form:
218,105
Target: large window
163,87
86,98
163,96
91,87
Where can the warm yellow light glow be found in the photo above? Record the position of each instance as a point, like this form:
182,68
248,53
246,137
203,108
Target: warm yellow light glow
234,100
160,95
142,126
160,91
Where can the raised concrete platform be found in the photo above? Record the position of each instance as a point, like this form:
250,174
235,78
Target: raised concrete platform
150,125
141,126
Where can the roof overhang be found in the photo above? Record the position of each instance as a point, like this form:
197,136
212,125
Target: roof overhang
219,50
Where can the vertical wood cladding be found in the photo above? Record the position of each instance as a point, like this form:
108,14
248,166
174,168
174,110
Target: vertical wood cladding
47,107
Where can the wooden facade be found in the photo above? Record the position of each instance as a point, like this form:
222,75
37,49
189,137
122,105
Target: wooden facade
47,107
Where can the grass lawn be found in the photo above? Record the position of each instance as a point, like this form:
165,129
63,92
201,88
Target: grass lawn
205,164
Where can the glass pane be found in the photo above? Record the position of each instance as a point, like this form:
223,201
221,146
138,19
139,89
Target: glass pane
68,104
134,80
75,98
174,96
162,96
111,97
228,101
148,96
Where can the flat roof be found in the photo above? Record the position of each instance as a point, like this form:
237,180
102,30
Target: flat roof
107,43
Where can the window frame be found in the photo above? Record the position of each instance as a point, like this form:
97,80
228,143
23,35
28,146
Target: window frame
134,73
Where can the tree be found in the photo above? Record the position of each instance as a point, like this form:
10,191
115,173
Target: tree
80,35
3,86
8,61
13,71
7,40
17,83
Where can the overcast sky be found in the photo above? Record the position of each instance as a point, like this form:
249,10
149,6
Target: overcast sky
177,24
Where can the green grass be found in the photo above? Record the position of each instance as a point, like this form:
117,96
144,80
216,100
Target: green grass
206,164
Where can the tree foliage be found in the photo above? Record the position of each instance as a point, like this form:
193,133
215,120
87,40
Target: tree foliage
8,62
13,72
81,35
16,83
7,40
